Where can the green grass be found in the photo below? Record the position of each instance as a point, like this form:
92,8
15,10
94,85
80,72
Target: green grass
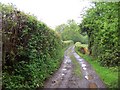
76,68
76,65
109,75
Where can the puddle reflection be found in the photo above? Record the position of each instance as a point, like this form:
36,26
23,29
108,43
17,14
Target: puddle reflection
83,65
84,68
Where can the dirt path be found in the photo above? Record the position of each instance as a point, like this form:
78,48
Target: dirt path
67,77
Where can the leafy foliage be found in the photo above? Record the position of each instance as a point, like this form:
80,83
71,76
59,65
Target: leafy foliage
101,25
31,50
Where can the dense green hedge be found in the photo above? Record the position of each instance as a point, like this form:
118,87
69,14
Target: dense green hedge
101,25
31,50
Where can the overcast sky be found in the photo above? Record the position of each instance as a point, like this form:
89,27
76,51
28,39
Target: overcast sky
52,12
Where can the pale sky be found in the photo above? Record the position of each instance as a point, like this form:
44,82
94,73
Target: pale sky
52,12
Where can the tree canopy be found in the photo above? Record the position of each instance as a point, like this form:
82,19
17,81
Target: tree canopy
71,31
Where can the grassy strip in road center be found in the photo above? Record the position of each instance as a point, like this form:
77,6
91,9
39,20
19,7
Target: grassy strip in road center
76,68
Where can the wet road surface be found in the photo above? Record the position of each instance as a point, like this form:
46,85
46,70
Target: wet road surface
65,77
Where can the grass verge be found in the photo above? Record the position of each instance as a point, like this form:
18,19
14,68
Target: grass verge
108,75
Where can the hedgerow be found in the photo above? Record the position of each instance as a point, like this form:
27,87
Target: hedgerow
101,24
31,50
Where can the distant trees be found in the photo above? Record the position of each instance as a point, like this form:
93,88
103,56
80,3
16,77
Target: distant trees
101,25
70,31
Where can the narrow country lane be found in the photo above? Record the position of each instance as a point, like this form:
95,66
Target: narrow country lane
66,76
